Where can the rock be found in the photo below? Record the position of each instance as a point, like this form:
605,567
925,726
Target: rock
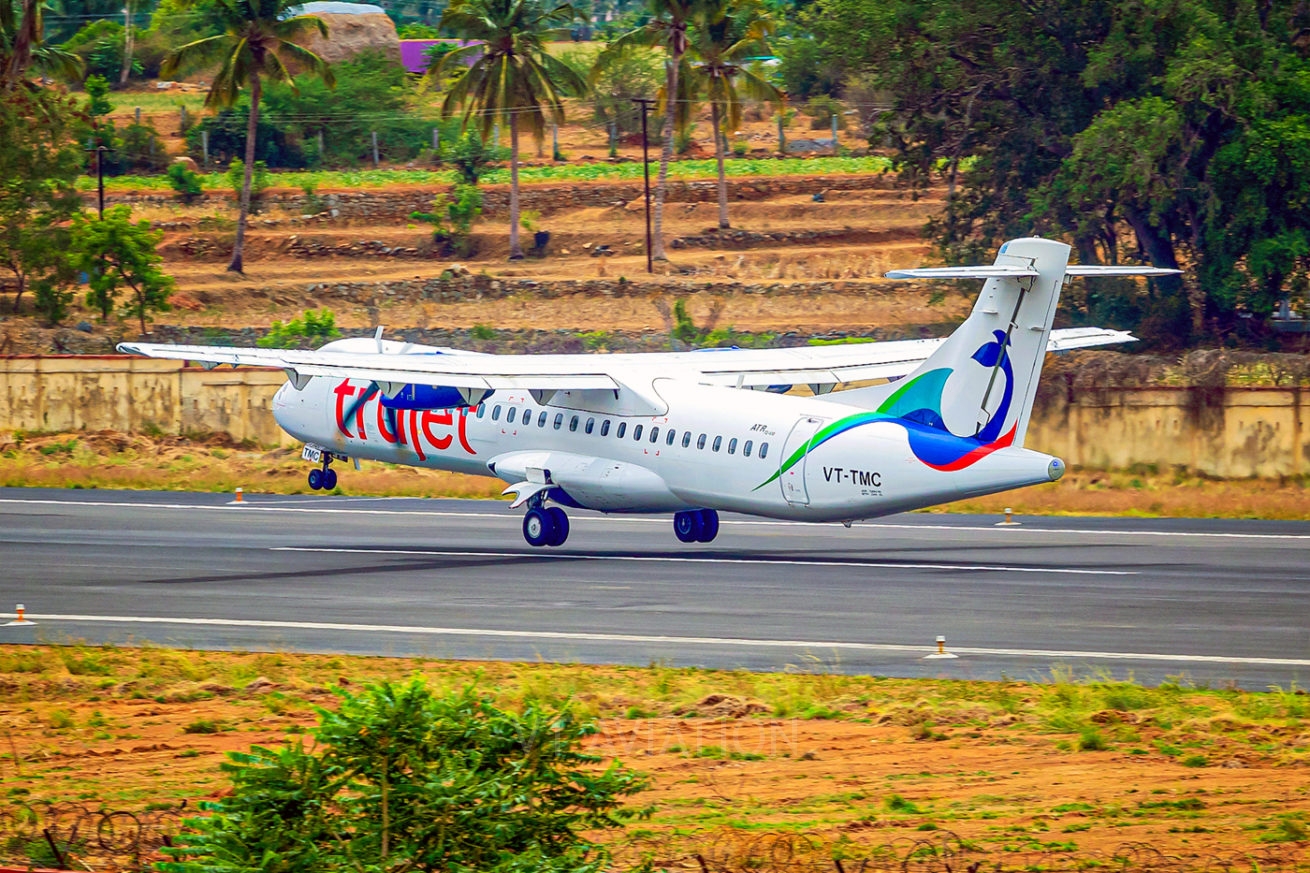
85,326
187,162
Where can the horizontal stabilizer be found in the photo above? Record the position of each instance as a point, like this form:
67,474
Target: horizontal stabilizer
1094,271
1090,271
991,271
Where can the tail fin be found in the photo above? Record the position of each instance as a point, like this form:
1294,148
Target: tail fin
980,383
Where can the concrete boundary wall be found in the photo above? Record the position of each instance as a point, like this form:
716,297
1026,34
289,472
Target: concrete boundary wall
1229,433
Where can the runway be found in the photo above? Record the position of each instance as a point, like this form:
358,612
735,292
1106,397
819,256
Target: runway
1212,602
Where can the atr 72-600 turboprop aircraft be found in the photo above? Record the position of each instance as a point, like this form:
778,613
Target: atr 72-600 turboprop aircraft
676,432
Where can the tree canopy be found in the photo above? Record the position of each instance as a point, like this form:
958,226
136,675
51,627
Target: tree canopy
1184,122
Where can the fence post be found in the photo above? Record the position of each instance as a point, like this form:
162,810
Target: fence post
375,149
554,143
204,146
834,134
614,141
782,134
183,115
436,141
320,145
138,115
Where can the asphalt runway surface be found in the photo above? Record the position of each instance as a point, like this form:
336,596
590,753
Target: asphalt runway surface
1211,602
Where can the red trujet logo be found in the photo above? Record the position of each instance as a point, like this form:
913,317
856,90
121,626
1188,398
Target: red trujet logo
418,423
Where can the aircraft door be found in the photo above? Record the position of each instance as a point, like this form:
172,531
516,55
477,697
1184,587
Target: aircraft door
792,474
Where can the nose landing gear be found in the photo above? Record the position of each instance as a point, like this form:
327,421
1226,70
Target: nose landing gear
696,526
323,478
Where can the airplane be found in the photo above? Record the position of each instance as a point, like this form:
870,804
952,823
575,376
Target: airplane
703,432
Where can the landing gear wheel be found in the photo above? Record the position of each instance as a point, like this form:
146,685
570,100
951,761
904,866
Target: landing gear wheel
329,479
709,525
315,479
560,523
687,526
538,528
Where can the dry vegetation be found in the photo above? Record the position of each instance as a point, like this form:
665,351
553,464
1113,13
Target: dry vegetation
1066,769
215,463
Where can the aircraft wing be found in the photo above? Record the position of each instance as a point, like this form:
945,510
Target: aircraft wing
820,367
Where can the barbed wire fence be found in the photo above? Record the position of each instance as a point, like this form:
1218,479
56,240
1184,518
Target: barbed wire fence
72,836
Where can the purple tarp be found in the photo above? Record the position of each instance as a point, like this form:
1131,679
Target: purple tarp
413,52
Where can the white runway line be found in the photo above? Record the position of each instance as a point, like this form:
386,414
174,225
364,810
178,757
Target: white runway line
510,515
818,562
887,648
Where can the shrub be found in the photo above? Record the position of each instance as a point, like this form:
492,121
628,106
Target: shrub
185,181
313,327
452,219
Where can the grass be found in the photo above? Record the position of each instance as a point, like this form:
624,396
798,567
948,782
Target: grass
627,172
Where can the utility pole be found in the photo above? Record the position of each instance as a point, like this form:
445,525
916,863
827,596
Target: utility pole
127,44
645,104
100,174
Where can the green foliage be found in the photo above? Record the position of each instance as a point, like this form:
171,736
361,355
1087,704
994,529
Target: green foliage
452,219
97,96
100,45
627,72
414,781
117,254
185,181
313,327
236,176
39,162
469,155
416,30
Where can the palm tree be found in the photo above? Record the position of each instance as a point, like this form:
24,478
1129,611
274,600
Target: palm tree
258,41
666,28
510,75
725,35
22,46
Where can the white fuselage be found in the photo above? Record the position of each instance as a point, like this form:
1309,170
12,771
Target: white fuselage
712,448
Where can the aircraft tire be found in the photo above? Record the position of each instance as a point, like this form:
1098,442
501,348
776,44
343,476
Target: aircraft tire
537,528
315,479
709,525
329,479
687,526
560,524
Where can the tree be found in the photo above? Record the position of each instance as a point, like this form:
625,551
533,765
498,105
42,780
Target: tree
666,28
23,46
727,33
256,39
115,253
39,164
512,77
402,780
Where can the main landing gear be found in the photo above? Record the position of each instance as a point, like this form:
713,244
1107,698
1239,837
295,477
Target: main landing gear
323,478
545,525
696,526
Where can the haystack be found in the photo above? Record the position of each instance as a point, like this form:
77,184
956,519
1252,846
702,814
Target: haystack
353,28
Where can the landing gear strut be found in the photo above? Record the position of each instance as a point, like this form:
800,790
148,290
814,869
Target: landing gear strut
696,526
324,478
545,525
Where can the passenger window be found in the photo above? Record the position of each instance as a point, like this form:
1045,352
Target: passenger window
700,441
746,449
482,409
673,435
605,427
654,434
509,416
686,438
718,443
591,425
732,446
623,428
541,419
559,420
636,432
764,451
495,413
573,424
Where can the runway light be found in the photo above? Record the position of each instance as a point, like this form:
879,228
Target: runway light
20,620
240,497
1009,519
941,654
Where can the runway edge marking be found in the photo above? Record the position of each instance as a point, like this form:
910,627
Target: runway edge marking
248,508
579,636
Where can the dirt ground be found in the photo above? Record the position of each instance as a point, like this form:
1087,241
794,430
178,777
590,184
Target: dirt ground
1052,775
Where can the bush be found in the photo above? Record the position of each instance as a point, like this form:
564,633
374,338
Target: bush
185,181
452,219
236,177
407,780
275,145
312,328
